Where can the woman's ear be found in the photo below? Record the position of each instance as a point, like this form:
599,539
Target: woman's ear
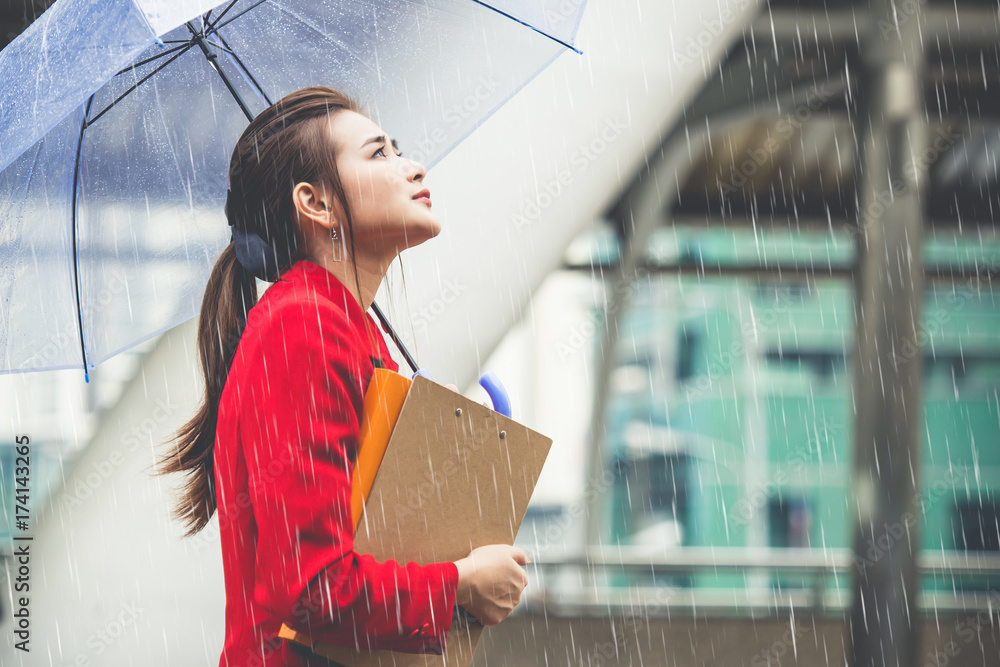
313,204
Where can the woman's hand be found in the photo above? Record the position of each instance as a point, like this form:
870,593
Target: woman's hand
490,581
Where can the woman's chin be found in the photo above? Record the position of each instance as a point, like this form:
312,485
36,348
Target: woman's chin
424,232
415,237
436,229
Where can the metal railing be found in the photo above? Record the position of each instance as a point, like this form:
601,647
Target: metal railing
574,584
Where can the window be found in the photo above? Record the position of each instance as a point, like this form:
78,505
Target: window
790,520
976,525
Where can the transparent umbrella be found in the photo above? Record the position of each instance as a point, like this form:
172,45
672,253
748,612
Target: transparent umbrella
117,118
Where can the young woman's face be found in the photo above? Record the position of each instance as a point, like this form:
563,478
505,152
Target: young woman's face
380,186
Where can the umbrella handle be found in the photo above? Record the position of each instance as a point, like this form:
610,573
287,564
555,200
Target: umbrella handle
501,401
494,388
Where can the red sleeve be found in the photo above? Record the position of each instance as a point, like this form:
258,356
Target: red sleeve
307,396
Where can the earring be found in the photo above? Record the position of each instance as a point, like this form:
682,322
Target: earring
338,245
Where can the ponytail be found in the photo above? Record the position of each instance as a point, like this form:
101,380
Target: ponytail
229,295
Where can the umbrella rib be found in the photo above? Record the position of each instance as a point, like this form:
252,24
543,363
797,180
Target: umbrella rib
246,70
74,222
156,57
137,84
210,26
217,25
220,46
539,31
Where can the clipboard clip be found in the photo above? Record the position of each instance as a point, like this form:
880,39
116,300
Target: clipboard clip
494,388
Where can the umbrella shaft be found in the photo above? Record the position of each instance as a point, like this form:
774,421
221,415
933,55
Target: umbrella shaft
213,58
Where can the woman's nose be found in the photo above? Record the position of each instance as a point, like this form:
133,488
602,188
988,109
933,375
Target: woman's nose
417,170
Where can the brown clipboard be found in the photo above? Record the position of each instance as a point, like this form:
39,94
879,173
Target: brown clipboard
454,475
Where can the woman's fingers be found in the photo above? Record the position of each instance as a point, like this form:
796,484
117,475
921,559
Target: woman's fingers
520,557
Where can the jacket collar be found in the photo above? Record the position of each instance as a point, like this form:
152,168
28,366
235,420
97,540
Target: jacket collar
318,280
315,279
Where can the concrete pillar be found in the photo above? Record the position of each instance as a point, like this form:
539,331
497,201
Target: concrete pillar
887,361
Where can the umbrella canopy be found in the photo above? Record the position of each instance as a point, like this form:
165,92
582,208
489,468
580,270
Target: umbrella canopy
116,129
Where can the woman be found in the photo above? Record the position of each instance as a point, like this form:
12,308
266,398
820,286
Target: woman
320,204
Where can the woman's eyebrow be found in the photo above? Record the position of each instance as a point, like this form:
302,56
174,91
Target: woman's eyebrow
381,138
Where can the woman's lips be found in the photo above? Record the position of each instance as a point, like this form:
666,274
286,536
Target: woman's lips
423,196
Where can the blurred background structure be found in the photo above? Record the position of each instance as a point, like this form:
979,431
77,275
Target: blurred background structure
743,276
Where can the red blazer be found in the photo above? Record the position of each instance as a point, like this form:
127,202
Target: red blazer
285,447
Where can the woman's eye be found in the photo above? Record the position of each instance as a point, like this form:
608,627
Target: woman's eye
382,151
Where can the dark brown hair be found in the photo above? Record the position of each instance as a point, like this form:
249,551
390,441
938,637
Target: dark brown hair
288,143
